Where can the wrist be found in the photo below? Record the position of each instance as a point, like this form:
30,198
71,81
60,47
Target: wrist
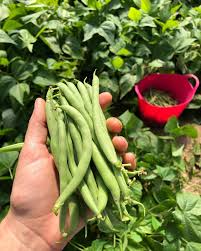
15,236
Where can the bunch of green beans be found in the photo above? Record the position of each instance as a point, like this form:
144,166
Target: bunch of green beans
88,165
91,173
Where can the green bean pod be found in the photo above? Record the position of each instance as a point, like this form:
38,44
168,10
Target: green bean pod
101,132
102,194
89,89
13,147
106,173
84,161
85,97
74,215
89,177
74,89
85,192
69,95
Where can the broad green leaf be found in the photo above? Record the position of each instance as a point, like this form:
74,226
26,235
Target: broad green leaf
97,245
157,63
135,237
171,124
175,8
107,30
4,12
89,31
186,130
124,52
4,38
188,214
193,246
147,21
27,39
7,161
23,70
170,24
32,18
131,123
8,118
19,91
117,62
134,14
126,84
52,43
155,223
109,84
166,173
177,151
44,78
10,25
146,5
6,82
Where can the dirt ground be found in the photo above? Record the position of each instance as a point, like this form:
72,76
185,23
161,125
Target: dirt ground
192,157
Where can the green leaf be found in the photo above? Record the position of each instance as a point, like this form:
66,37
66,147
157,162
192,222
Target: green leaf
146,5
131,123
107,30
171,124
10,25
27,39
177,151
134,14
188,214
193,246
166,173
22,70
4,38
147,21
109,84
135,237
8,118
124,52
97,245
19,92
4,12
7,161
170,24
126,84
155,223
117,62
52,43
157,63
44,78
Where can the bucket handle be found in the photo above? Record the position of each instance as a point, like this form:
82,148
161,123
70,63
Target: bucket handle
196,81
138,92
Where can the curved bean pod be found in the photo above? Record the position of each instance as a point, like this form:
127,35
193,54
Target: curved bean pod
100,129
84,161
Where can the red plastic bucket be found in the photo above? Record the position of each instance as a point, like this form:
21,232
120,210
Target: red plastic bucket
176,85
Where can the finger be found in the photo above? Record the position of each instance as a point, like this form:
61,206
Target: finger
120,144
114,125
37,129
105,99
130,158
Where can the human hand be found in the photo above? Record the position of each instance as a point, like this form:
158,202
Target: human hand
35,188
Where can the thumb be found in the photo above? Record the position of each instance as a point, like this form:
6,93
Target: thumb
37,129
35,139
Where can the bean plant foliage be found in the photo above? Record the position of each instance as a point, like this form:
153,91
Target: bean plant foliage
43,41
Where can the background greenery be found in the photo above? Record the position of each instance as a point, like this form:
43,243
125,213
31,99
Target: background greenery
42,41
